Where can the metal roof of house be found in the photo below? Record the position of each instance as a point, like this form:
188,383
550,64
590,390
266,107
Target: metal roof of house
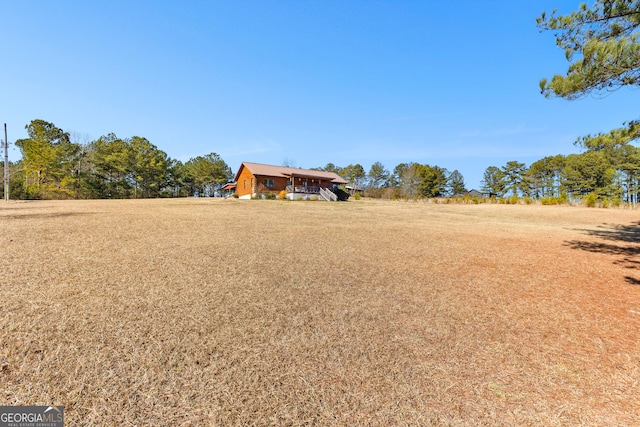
286,172
229,185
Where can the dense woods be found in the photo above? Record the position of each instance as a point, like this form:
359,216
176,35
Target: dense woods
54,167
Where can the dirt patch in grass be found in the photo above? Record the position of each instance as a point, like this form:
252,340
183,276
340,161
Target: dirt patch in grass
229,312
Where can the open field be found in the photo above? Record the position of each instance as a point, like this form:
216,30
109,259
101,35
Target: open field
228,312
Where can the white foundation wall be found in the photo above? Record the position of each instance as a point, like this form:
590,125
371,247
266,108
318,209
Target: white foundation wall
303,196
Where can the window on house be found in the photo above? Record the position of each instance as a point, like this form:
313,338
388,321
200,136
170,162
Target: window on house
268,182
244,184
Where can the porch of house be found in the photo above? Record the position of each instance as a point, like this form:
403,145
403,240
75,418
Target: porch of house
303,189
314,192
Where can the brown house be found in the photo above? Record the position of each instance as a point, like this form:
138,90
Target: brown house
253,179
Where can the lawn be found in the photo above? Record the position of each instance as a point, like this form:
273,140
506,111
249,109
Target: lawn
229,312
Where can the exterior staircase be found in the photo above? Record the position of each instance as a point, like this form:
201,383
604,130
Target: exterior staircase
328,195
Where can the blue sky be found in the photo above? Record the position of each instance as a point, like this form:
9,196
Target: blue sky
307,82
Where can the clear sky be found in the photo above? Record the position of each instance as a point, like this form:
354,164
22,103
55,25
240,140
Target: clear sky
453,84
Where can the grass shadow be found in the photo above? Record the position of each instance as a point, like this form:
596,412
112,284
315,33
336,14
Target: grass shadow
632,280
617,240
616,232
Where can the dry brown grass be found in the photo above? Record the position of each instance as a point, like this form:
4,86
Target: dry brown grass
227,312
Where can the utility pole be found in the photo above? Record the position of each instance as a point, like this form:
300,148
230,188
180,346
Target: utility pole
6,165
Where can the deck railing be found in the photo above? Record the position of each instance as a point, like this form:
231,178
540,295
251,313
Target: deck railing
302,189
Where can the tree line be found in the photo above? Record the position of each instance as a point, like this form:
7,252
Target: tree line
54,167
407,180
606,171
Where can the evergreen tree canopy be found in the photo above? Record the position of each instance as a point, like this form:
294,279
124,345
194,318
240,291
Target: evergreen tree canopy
49,158
492,181
206,174
378,175
601,42
456,183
